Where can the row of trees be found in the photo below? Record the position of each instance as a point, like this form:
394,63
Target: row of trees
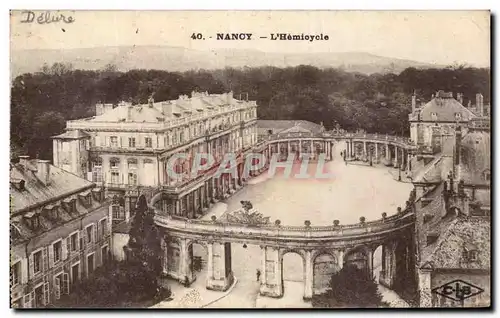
42,102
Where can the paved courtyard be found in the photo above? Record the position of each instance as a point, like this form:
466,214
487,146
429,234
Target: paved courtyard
353,191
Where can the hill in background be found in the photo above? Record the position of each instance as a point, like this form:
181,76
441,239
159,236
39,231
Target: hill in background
182,59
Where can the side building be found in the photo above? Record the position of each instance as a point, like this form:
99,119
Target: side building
453,227
59,232
126,148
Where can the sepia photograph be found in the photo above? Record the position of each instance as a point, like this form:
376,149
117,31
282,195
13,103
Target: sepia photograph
250,159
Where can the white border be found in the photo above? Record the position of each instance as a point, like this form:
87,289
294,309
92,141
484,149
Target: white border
213,5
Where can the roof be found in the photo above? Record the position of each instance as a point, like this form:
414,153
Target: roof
155,112
281,125
435,171
463,232
445,107
62,183
475,157
72,134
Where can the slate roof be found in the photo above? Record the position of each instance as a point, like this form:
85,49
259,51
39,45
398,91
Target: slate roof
445,107
435,171
166,110
62,183
462,232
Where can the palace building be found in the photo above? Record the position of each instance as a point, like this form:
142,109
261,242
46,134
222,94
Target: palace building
125,148
60,232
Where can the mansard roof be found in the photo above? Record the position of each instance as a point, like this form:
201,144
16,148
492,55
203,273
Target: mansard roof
35,193
444,107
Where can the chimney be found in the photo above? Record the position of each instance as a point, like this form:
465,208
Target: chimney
23,160
129,113
460,98
151,101
230,97
413,102
479,104
458,140
43,171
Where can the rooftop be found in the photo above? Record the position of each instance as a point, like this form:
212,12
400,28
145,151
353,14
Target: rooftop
72,134
35,192
443,108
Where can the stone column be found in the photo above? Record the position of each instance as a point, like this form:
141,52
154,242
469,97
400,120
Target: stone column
272,286
387,154
376,152
340,260
210,263
408,161
396,156
185,260
347,149
308,279
370,263
311,153
220,281
164,246
424,287
365,151
263,266
300,148
289,148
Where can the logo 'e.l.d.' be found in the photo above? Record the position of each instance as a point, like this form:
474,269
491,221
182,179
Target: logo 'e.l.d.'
457,290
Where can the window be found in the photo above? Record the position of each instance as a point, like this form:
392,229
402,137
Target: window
75,272
57,251
103,228
434,116
149,142
89,233
486,175
114,163
131,142
115,177
174,139
458,116
90,264
37,262
181,137
74,242
117,213
61,285
104,254
113,141
132,178
15,274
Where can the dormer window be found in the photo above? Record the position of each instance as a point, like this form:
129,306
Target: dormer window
33,220
458,116
434,116
52,212
69,205
85,197
431,238
470,252
97,193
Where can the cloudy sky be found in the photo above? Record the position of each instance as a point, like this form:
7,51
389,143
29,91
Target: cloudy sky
441,37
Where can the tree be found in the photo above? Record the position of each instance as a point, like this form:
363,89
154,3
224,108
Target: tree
144,245
350,287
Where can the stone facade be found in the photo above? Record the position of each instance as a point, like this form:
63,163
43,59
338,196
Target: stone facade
60,230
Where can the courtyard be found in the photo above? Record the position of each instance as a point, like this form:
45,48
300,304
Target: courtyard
352,191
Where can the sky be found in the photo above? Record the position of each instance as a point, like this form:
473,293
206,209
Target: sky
441,37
